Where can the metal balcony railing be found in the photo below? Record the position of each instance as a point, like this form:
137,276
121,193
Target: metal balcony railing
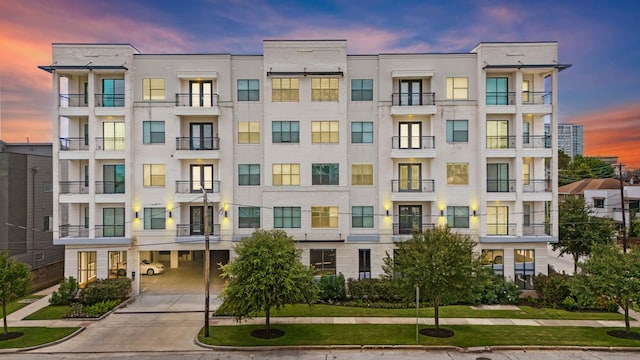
73,231
501,185
536,98
413,99
109,100
189,143
536,229
501,98
109,230
110,143
413,142
197,100
109,187
425,186
536,142
501,142
536,185
73,100
70,144
408,228
74,187
500,229
188,186
186,230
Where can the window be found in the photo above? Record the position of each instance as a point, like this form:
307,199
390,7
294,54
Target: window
86,175
525,267
411,135
362,216
86,268
362,132
248,217
525,91
526,171
494,259
634,205
286,217
154,218
112,222
457,173
248,174
361,89
248,90
361,174
457,131
286,174
196,218
113,179
201,93
248,132
285,131
498,178
324,132
117,264
324,217
153,132
153,175
202,178
85,130
47,224
410,92
153,89
113,136
498,134
364,264
112,93
284,89
324,89
410,177
325,174
598,203
458,217
497,220
497,91
201,137
323,260
410,219
526,132
457,88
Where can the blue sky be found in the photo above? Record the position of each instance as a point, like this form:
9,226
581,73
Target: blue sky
601,39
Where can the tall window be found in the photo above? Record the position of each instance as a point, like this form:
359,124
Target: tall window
526,91
325,174
248,217
497,220
361,89
112,92
410,219
113,136
113,179
112,222
324,217
286,174
364,264
410,92
201,177
494,259
86,268
498,134
285,131
117,264
153,132
410,177
324,89
284,89
201,136
361,174
457,88
457,173
153,89
248,174
153,175
497,91
248,90
201,93
526,171
324,132
362,132
323,260
196,218
498,177
362,216
525,267
154,218
457,131
286,217
411,135
458,217
248,132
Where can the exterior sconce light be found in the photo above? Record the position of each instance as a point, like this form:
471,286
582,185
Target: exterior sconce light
387,212
225,214
170,214
474,213
441,212
136,215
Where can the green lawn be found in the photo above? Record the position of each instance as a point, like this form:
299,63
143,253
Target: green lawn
453,311
17,304
365,334
35,336
51,312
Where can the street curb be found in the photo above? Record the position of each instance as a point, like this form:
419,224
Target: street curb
17,350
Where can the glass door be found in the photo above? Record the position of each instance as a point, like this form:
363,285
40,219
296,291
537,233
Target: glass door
201,93
201,136
410,92
410,135
410,218
409,177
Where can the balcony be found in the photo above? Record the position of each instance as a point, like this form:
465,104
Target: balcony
73,105
109,187
196,104
413,103
536,141
536,102
104,235
404,147
534,186
501,102
74,231
186,190
413,190
501,229
109,100
501,186
536,230
408,229
191,230
110,148
501,142
74,187
74,144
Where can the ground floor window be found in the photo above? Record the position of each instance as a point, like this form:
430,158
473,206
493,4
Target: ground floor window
364,264
117,264
86,267
324,260
524,267
494,259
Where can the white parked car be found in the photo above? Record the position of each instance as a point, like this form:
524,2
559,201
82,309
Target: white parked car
149,268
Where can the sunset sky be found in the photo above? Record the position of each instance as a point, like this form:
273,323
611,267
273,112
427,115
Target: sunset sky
601,39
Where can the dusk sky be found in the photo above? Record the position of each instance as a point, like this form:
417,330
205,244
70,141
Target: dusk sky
601,39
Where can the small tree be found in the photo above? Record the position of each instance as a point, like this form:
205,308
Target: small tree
441,263
266,275
15,280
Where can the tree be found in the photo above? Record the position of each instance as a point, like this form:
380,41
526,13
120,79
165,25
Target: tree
15,280
579,230
441,263
563,160
613,275
584,167
266,275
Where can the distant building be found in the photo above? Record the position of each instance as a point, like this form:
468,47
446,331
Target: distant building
570,139
26,210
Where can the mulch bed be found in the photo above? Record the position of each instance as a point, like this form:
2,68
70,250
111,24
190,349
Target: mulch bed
622,334
11,335
439,333
262,333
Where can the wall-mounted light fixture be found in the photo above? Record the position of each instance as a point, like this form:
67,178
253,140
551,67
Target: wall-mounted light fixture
441,212
136,215
225,213
474,213
387,212
170,214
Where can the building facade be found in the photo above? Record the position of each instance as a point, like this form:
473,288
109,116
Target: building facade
570,139
349,154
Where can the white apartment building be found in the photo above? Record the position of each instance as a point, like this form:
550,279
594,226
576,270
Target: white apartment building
347,153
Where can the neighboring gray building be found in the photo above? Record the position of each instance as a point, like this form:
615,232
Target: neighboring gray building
570,139
26,209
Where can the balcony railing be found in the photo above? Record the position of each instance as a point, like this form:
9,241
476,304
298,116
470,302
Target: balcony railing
73,231
110,143
188,186
413,142
501,98
425,186
109,187
536,142
197,100
109,230
407,229
536,230
70,144
74,187
188,143
494,229
186,230
413,99
501,142
109,100
536,185
536,98
501,185
73,100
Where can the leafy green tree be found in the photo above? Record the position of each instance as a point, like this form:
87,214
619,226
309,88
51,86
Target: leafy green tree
441,263
579,230
613,275
15,280
584,167
563,160
266,275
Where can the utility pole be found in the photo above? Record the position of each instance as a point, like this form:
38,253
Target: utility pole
624,221
207,263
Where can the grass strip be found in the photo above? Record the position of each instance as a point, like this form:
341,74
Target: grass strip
51,312
34,336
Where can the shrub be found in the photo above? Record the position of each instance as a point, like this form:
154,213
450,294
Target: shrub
76,311
100,308
66,293
552,289
497,290
104,290
374,290
332,288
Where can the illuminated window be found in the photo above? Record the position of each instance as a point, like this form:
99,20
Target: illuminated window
457,88
153,89
285,131
362,174
154,218
324,132
117,265
457,173
284,90
525,268
497,220
112,136
362,216
525,91
526,171
286,217
494,259
325,174
154,175
324,217
324,89
248,90
498,134
86,268
286,174
458,217
362,132
248,132
361,89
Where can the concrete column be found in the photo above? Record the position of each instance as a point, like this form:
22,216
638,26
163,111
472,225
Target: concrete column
174,259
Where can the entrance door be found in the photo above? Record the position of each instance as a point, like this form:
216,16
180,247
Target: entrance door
410,218
201,136
197,220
